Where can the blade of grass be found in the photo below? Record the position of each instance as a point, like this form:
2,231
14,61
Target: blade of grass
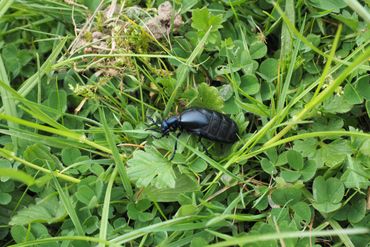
301,137
286,235
105,211
116,156
213,163
344,237
31,82
305,40
286,39
359,9
236,217
323,95
30,107
69,62
69,134
284,91
51,141
45,68
183,71
8,103
68,205
8,155
17,175
162,226
264,130
53,240
4,6
325,72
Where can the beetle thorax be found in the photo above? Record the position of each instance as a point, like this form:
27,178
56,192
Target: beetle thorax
170,124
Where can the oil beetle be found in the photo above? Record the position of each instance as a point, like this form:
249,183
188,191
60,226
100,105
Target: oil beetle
202,122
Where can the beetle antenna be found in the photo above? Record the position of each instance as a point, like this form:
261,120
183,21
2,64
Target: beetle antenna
153,121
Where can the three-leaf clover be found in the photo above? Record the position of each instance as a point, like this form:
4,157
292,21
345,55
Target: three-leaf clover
299,169
327,194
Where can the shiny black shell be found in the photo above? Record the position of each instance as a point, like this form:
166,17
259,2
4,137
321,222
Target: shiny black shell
209,124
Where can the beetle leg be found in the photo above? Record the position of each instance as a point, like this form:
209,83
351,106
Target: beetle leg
175,147
204,147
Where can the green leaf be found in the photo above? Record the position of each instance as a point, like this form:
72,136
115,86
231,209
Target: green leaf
363,87
322,153
257,49
151,168
327,194
40,154
289,195
8,102
183,185
357,211
365,147
267,166
290,176
333,153
327,124
12,63
91,224
226,91
58,101
302,211
5,198
20,234
295,159
187,5
70,155
48,210
353,177
333,5
40,231
367,105
202,20
249,84
306,147
309,170
269,69
351,95
208,97
337,104
85,194
136,211
198,166
186,210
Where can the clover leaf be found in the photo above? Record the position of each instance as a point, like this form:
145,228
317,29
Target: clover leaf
299,168
327,194
324,154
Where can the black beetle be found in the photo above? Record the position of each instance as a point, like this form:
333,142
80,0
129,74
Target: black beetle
202,122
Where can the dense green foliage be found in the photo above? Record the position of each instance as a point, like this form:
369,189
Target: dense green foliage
79,78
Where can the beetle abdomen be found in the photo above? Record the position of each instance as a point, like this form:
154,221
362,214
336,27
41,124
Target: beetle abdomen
220,128
209,124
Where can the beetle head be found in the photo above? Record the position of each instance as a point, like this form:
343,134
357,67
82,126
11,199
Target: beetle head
164,127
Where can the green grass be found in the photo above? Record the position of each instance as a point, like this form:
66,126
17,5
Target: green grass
79,168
